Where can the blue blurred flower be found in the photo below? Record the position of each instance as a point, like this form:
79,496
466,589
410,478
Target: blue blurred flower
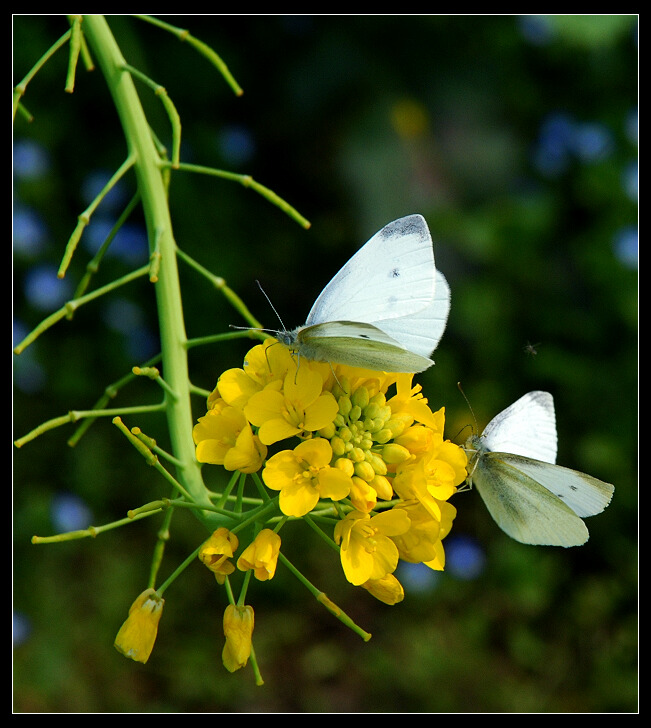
562,139
22,628
127,318
44,290
142,343
236,145
592,142
30,232
552,150
123,315
626,246
417,578
464,557
632,126
630,180
536,29
31,160
94,183
129,243
69,513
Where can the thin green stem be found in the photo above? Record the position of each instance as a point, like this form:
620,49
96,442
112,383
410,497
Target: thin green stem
153,374
93,265
76,415
90,532
170,109
75,48
322,598
20,89
68,309
220,284
178,571
110,393
159,548
247,181
205,50
151,458
322,535
85,216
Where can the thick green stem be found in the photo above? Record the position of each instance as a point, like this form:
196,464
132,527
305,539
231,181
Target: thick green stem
159,226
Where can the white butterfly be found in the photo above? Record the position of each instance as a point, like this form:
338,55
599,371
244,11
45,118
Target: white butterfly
386,309
530,498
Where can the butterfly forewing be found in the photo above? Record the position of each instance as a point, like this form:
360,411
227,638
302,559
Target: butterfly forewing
527,428
422,331
392,275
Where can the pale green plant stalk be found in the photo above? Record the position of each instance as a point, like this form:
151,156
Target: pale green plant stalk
91,38
90,35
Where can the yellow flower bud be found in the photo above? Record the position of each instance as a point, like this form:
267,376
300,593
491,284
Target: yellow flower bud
345,405
360,397
383,436
394,453
357,455
338,446
376,462
379,399
138,633
238,629
216,551
382,487
345,434
346,465
364,471
261,555
328,431
372,411
362,496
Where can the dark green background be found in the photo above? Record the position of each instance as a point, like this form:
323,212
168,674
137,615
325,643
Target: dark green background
529,256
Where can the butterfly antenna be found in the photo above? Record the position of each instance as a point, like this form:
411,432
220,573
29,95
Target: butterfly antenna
468,483
468,403
264,293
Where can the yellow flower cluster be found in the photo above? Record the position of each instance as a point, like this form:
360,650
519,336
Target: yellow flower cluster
381,458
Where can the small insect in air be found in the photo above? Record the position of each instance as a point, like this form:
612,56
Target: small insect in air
530,349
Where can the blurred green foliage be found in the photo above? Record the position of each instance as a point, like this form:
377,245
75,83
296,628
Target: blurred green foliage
516,138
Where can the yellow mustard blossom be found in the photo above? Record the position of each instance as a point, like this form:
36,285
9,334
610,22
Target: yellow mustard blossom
261,555
422,542
367,551
387,589
304,475
358,442
433,475
300,407
216,552
264,364
238,629
137,635
409,400
224,437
